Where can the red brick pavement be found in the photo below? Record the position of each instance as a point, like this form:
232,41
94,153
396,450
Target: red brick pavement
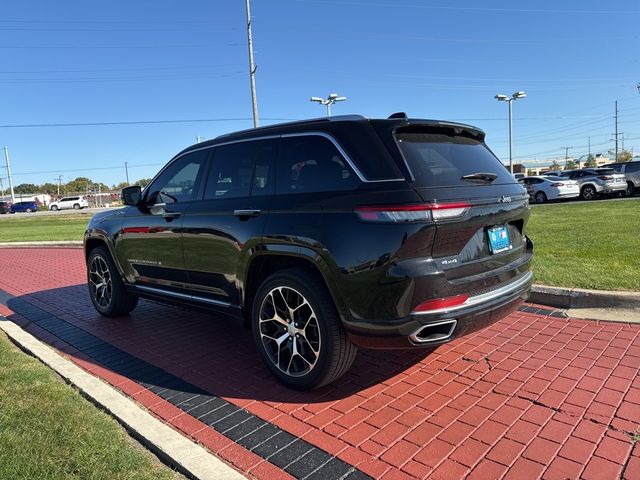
532,396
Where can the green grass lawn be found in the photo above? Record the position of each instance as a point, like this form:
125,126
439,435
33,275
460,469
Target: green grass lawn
587,245
49,431
24,227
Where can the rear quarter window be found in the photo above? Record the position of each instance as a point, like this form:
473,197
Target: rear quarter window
439,160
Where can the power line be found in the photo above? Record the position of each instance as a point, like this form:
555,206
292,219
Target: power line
138,122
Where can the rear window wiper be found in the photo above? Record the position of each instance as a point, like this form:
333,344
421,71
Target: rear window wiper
481,176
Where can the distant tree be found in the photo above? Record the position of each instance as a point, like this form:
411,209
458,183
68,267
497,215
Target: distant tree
143,182
119,186
625,156
50,188
591,162
25,188
79,185
554,166
570,165
531,173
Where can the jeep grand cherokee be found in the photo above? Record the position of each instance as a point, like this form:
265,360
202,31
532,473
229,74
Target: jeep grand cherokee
324,235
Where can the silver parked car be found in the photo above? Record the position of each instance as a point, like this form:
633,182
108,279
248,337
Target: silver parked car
597,181
541,188
631,171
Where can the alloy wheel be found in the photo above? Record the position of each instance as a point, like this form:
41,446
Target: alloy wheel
289,331
100,282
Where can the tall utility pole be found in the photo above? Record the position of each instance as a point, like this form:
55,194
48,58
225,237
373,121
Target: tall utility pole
1,189
126,171
615,135
566,156
252,69
59,179
589,148
6,158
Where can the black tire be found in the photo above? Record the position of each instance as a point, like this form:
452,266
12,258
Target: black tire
29,210
541,197
630,189
588,192
54,208
335,352
76,206
119,301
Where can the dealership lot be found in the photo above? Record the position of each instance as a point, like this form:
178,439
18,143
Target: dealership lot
535,395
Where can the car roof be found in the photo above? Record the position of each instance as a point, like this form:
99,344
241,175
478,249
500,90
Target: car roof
320,124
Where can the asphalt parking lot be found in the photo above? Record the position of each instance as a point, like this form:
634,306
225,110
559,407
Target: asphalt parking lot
536,395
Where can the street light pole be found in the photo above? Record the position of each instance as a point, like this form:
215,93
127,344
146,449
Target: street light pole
126,171
330,100
509,100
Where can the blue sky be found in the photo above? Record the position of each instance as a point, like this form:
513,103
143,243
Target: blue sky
117,61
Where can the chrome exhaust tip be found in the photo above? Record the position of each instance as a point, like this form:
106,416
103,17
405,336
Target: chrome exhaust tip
434,332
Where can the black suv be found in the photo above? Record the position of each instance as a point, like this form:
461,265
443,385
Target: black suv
324,235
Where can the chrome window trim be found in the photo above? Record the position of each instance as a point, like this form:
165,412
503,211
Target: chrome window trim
342,152
485,297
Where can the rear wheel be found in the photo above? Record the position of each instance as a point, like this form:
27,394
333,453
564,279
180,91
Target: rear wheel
106,288
541,197
630,189
298,331
588,192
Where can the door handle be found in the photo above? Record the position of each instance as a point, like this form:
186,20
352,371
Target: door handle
170,215
246,212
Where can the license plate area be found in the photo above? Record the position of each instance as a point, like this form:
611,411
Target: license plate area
499,239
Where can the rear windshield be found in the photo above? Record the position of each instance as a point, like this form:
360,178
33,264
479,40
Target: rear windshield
441,160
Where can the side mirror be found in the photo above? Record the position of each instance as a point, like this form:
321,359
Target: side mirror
132,195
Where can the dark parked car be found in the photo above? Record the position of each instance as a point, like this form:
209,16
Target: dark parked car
24,207
324,235
5,207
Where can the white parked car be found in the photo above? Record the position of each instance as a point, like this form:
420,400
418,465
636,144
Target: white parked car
69,202
541,188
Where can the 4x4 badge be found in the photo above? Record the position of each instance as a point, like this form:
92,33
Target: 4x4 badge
505,199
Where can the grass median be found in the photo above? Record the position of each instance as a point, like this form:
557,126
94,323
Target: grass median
48,430
590,245
31,227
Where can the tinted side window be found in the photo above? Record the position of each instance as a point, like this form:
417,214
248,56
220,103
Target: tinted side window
180,181
242,169
632,167
311,163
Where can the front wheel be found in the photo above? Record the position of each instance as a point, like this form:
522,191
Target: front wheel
54,208
106,288
588,192
76,206
541,197
298,331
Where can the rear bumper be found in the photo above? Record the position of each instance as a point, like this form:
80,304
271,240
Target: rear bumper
613,187
476,313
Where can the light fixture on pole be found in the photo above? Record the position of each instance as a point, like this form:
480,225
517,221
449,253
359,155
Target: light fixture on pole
509,100
330,100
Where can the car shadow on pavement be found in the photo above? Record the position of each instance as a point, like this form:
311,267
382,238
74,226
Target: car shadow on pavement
202,351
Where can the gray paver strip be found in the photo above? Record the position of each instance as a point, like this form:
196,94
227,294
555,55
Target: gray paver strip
190,457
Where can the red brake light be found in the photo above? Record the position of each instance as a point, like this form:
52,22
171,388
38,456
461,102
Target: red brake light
557,184
440,303
411,213
605,177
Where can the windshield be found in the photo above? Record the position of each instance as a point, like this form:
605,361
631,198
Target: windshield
442,160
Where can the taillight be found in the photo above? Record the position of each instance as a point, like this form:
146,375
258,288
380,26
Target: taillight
605,177
440,303
411,213
557,184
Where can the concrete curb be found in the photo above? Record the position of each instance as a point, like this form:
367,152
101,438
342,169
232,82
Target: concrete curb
64,243
173,448
581,298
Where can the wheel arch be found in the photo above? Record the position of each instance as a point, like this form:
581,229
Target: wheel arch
274,258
